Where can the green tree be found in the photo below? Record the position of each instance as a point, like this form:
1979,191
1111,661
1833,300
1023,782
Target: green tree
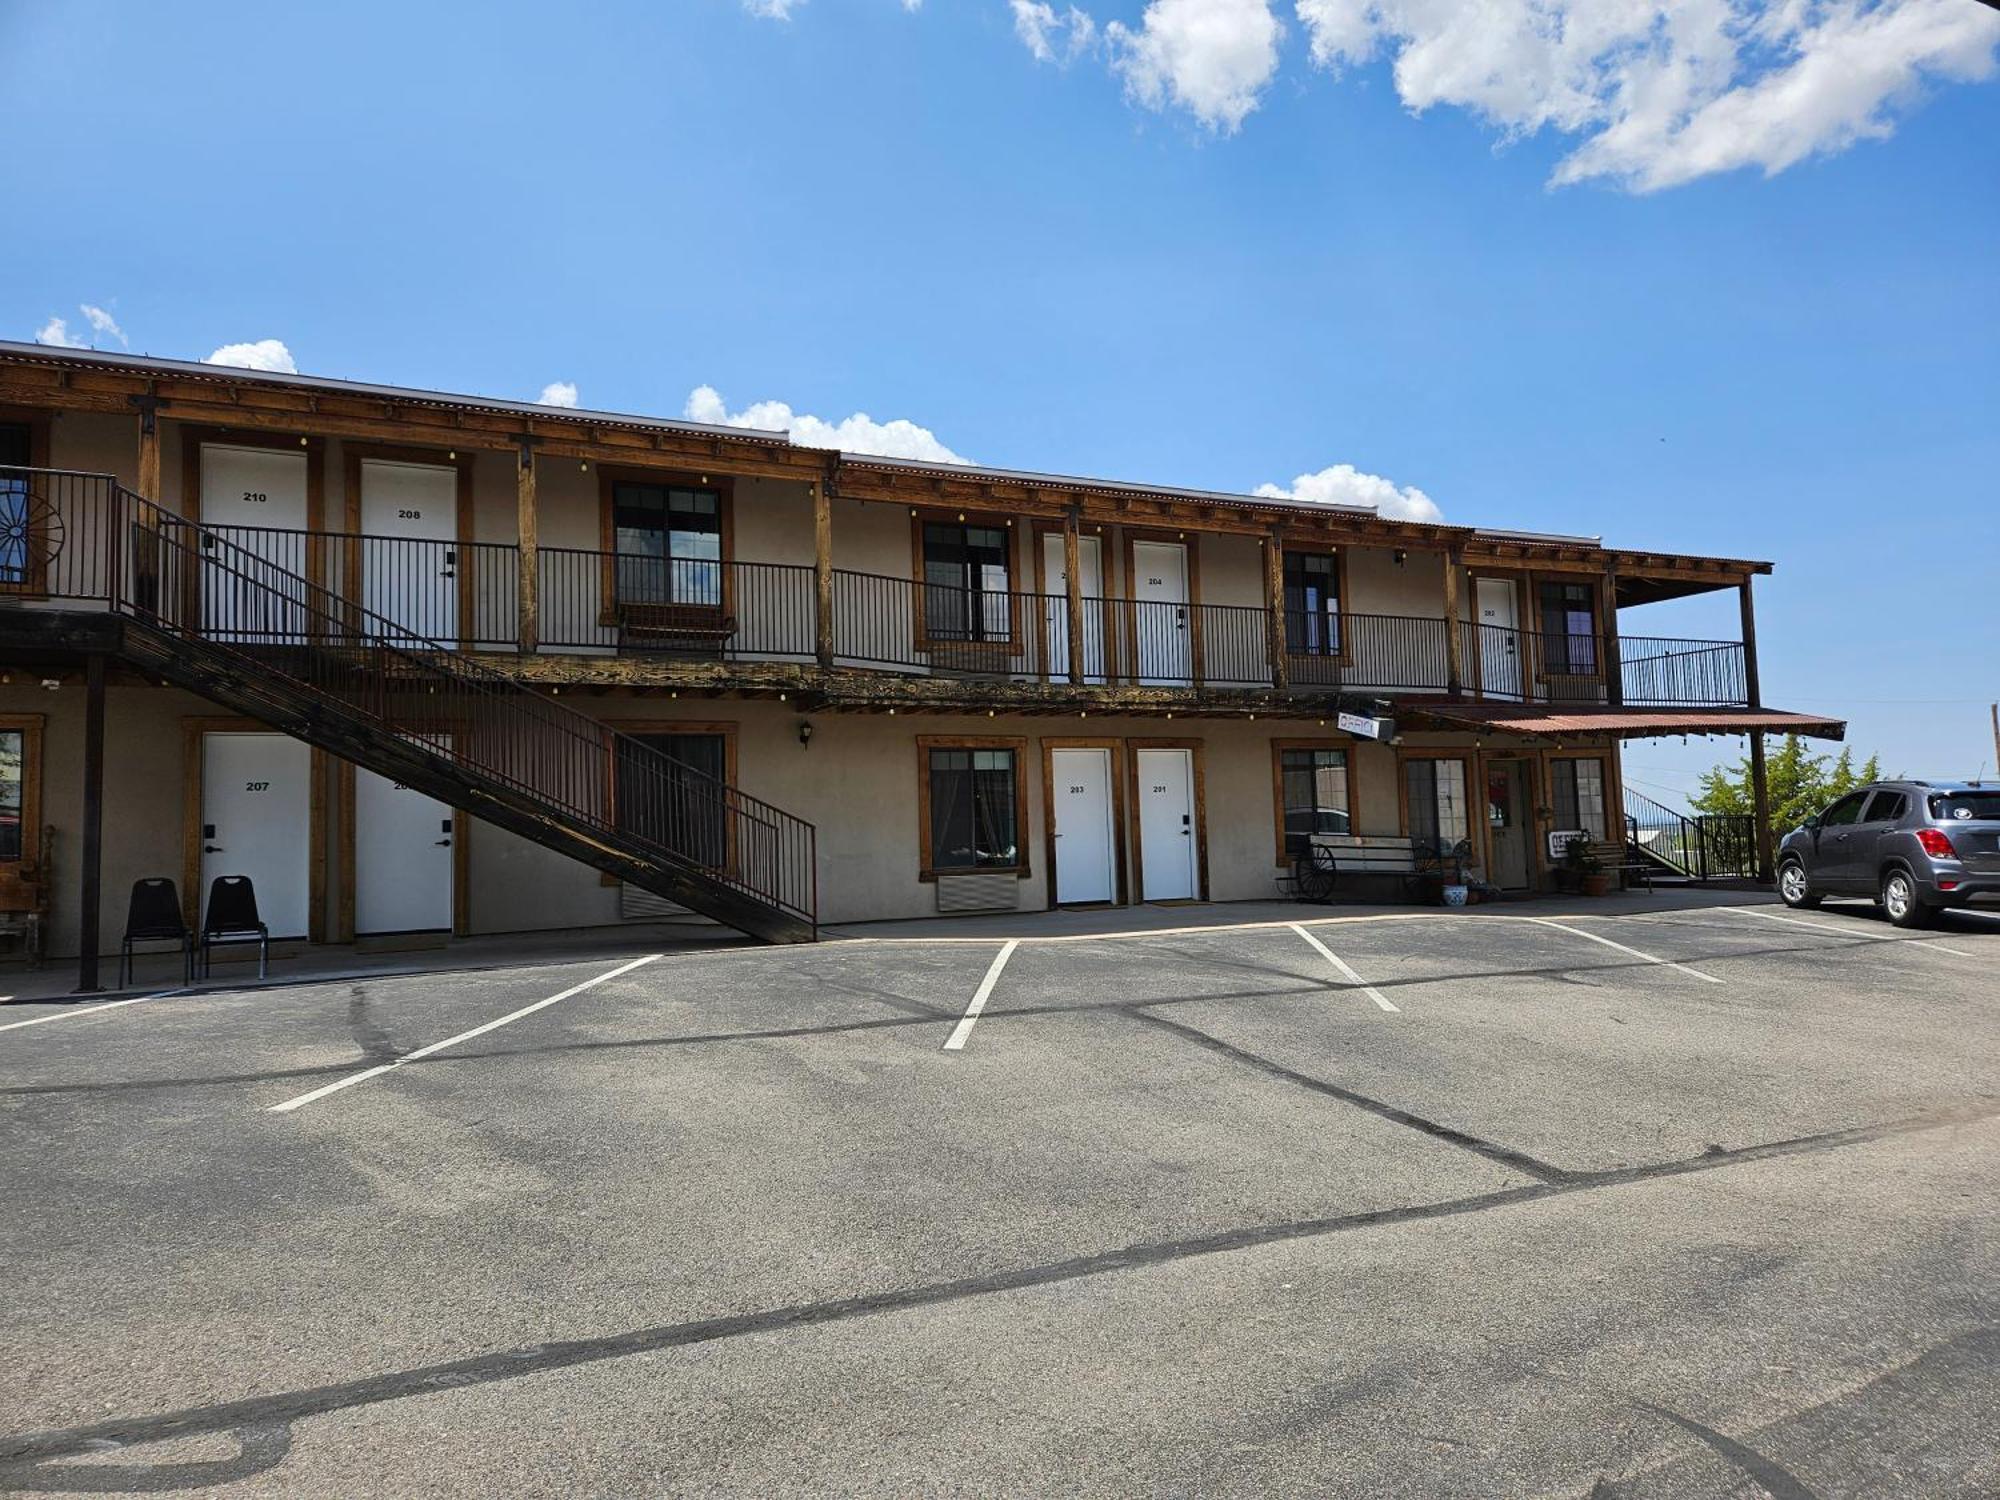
1801,783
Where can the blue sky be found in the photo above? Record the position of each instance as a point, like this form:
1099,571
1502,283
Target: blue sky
1205,242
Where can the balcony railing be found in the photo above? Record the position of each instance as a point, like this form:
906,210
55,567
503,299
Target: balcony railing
605,603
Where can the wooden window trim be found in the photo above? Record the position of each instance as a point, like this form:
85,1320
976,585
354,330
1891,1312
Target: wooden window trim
1116,769
1012,644
929,742
353,456
1614,792
1345,743
1300,663
193,727
1189,540
1136,842
724,486
40,425
1106,558
1534,581
1475,775
31,728
727,728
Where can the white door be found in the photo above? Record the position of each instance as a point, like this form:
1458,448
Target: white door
1166,825
1162,638
409,558
1090,564
402,856
256,814
253,547
1085,849
1499,637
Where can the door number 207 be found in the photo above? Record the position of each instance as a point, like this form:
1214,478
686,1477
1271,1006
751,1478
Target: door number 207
256,786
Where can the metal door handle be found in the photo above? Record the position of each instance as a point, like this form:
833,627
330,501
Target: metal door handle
211,848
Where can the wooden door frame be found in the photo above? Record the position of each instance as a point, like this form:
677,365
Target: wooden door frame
1038,531
347,870
352,457
1518,582
1532,804
194,439
1135,842
193,729
1191,553
1114,772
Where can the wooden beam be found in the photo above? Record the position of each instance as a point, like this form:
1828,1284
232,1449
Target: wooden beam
1274,609
1760,787
1073,589
1454,633
1614,669
822,499
91,900
528,587
149,446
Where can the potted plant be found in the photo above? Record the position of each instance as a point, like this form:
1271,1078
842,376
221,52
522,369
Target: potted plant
1592,878
1568,871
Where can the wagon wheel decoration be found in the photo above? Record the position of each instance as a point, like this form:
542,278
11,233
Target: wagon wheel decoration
31,532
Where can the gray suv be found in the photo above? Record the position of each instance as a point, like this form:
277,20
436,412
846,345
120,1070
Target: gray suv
1915,846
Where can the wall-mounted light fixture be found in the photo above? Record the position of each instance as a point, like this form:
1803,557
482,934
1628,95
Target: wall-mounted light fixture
1400,556
805,734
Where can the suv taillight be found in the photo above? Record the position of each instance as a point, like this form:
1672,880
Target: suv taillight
1936,845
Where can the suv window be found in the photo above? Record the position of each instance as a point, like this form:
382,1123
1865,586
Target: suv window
1958,806
1846,810
1887,807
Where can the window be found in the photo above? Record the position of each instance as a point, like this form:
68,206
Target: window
668,543
1887,807
20,788
966,582
1579,797
1962,807
1312,603
1312,796
1847,810
17,523
1438,814
1569,629
667,792
971,808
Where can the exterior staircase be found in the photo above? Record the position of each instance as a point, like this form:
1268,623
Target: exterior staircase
213,614
1685,849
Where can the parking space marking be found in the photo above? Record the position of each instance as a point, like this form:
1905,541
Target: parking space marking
452,1041
89,1010
1856,936
1333,958
963,1030
1649,958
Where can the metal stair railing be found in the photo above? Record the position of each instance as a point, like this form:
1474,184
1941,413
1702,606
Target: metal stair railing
279,634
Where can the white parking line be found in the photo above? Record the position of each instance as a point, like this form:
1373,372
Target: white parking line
1333,958
1848,932
88,1010
961,1032
1663,962
452,1041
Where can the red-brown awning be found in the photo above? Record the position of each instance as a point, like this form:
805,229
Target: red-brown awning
1622,723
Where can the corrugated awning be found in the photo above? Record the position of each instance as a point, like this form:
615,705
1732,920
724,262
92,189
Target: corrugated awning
1623,723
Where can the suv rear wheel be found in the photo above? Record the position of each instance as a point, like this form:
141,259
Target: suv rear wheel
1900,901
1793,887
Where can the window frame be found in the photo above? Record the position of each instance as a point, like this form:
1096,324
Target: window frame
36,582
926,743
1279,749
1343,653
1860,801
1540,636
640,728
1014,641
723,486
31,728
1473,765
1612,821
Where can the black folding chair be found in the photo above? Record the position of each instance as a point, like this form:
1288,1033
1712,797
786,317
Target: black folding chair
155,917
232,918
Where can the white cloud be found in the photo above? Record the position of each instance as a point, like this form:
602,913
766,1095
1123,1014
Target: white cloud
859,433
1211,57
557,393
56,332
1050,36
264,354
102,322
1661,92
773,10
1343,484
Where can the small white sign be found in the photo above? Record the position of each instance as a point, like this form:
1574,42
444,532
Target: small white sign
1362,725
1562,838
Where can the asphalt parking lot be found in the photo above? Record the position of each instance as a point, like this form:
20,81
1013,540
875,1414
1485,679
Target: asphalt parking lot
1691,1202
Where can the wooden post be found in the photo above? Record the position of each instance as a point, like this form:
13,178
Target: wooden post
91,901
1073,590
1274,608
529,586
148,408
822,498
1614,669
1760,786
1454,633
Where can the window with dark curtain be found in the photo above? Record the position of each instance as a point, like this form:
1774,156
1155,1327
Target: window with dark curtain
1312,603
966,582
974,820
16,522
1314,786
1438,813
12,745
669,544
1579,796
669,793
1569,629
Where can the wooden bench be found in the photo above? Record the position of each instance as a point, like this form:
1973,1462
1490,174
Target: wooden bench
674,627
1369,867
1624,862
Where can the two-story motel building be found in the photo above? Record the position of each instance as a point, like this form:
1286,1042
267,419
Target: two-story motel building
430,663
